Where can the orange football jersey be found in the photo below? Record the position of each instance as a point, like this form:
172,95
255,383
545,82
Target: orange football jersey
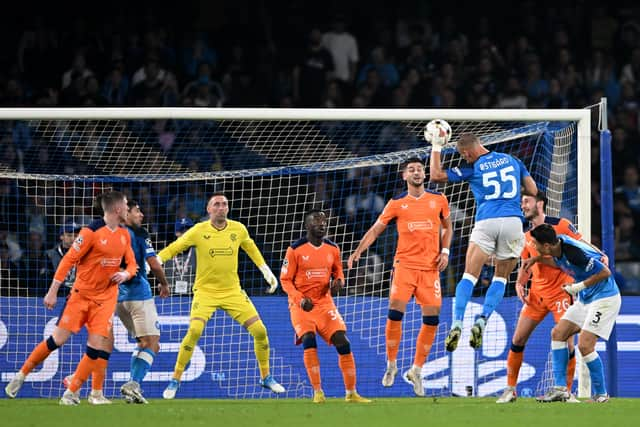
98,253
418,222
307,270
546,278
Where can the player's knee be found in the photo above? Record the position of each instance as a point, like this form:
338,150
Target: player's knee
431,320
586,348
258,330
51,344
517,348
195,330
395,315
340,341
92,353
151,342
557,334
309,341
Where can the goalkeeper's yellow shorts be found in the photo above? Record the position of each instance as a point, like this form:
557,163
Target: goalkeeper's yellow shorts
235,303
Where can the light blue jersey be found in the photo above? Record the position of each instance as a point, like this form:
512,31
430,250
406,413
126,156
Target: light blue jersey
495,180
138,288
581,261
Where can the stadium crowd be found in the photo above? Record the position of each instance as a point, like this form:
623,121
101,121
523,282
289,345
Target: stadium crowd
327,54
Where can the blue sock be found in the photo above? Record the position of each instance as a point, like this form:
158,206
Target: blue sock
464,289
134,356
141,364
596,372
495,293
559,359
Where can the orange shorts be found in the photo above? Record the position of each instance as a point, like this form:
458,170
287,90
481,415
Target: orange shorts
324,320
82,311
539,304
423,284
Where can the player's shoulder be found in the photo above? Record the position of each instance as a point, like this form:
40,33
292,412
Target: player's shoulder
399,196
232,224
96,224
331,243
552,220
301,241
138,232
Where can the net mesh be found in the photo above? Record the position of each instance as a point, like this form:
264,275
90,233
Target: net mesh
272,172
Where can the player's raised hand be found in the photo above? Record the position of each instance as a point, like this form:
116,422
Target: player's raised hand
336,286
306,304
354,257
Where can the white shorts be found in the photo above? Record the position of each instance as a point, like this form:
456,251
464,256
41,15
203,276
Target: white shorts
597,317
139,317
500,236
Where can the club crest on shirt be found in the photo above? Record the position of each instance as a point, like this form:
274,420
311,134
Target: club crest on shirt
233,237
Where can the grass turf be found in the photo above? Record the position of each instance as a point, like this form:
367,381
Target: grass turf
405,412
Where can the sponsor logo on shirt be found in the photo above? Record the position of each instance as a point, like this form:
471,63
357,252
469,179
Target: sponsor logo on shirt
420,225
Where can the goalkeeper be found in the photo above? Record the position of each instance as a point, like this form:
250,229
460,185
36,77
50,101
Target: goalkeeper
217,285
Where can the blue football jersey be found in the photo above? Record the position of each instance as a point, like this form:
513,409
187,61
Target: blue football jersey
495,180
138,288
581,261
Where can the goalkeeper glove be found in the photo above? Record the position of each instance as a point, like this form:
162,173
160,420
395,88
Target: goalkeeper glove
574,288
270,278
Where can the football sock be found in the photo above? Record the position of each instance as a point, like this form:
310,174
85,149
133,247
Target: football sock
312,364
348,367
464,289
186,347
38,354
260,346
393,333
142,364
514,362
596,372
425,339
494,295
559,359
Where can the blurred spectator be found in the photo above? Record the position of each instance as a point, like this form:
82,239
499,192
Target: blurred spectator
312,71
627,246
344,49
386,70
78,71
66,235
181,269
204,91
630,189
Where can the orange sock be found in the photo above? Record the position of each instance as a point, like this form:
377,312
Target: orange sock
514,362
84,368
312,364
98,374
571,370
393,333
423,343
348,367
37,356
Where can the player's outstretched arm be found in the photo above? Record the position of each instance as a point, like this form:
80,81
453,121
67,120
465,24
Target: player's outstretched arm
436,173
529,186
158,272
367,240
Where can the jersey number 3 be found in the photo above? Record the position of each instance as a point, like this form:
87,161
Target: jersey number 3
507,178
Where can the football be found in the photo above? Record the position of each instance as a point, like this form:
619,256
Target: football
437,132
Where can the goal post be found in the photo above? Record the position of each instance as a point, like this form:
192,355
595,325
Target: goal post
273,164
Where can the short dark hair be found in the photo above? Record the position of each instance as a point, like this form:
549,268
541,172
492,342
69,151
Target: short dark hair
311,212
108,200
542,197
544,233
131,203
410,160
218,193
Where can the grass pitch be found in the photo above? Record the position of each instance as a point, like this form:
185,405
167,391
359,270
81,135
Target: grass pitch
404,412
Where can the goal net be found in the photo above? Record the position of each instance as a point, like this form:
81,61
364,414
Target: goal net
273,165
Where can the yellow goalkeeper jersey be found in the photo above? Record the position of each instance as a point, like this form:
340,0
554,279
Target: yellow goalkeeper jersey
216,254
